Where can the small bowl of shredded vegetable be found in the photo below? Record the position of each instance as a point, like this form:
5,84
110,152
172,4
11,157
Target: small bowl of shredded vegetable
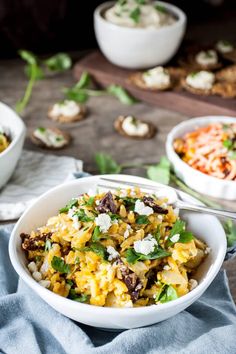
120,258
12,134
203,154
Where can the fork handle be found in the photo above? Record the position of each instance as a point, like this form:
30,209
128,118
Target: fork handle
203,209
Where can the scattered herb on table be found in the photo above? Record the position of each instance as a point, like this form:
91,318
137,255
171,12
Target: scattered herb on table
230,230
82,91
106,164
34,71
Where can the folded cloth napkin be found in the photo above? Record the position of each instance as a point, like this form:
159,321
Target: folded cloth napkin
35,174
29,325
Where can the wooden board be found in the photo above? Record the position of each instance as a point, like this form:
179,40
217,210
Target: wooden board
106,73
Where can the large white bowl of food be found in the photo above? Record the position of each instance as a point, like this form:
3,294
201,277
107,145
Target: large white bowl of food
203,154
116,259
12,134
137,35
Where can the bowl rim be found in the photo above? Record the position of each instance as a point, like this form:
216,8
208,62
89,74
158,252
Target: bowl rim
189,123
18,134
99,310
181,19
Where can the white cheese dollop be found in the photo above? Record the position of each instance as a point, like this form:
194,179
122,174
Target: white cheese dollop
104,222
208,57
175,238
224,46
149,15
202,80
112,253
145,246
156,78
133,126
49,137
66,108
141,209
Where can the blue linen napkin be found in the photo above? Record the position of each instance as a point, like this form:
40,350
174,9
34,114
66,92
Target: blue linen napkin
29,325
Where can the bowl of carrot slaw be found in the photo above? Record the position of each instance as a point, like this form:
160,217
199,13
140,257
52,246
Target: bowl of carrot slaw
203,154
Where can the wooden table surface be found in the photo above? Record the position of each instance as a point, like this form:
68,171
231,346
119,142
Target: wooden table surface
96,132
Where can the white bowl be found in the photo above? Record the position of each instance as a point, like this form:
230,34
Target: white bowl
137,48
14,126
212,186
206,227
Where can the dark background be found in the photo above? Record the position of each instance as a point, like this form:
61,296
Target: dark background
67,25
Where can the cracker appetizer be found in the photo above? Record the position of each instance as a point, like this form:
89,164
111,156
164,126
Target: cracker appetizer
67,111
224,89
156,79
199,83
50,138
227,74
201,60
226,50
134,128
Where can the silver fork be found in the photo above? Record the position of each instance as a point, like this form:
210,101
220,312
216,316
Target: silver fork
178,203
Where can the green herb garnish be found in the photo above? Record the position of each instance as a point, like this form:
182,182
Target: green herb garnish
58,62
81,215
73,295
96,234
160,8
167,293
228,144
72,203
69,282
59,265
120,93
142,220
179,228
160,172
230,230
132,256
106,164
97,248
135,14
41,129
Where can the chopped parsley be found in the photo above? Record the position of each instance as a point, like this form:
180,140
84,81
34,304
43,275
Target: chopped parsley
160,8
135,14
72,203
97,248
179,228
59,265
89,202
73,295
142,220
81,215
41,129
132,256
166,293
229,144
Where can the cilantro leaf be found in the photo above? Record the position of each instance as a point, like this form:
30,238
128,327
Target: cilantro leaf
160,172
228,144
135,14
142,220
97,248
59,265
72,203
160,8
96,234
106,164
230,230
90,201
167,293
120,93
58,62
129,202
132,256
73,295
179,228
84,81
81,215
74,95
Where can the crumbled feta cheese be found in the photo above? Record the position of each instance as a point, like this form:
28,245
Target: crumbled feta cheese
202,80
71,212
67,108
160,217
76,224
97,202
32,267
45,283
112,253
175,238
192,284
208,57
134,127
141,209
207,250
224,46
157,77
145,246
127,231
166,267
37,276
104,222
123,193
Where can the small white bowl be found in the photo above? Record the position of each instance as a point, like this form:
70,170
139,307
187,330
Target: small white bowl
15,127
212,186
138,48
206,227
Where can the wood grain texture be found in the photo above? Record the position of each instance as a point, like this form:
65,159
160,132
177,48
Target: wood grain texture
106,73
96,132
